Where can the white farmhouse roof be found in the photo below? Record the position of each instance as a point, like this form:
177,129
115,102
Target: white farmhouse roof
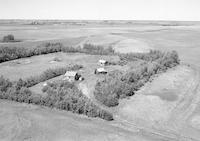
70,73
102,61
101,70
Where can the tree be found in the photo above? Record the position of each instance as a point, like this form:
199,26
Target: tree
20,83
8,38
4,84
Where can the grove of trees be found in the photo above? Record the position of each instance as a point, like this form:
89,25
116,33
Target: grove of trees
12,53
9,38
119,85
65,95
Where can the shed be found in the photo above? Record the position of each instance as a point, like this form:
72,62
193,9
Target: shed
71,75
100,71
102,62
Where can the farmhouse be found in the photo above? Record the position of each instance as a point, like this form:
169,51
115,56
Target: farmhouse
100,71
102,62
71,76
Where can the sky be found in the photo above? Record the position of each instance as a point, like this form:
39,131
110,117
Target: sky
185,10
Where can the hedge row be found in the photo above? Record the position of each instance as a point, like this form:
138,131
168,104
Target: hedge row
12,53
152,55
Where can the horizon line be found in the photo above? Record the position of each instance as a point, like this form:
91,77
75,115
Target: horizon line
99,20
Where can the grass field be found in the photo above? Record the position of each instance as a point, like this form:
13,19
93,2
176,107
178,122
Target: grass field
89,62
165,109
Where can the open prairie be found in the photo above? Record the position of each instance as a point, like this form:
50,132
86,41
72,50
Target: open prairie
165,109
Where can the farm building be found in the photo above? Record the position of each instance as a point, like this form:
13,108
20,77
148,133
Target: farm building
45,84
71,76
102,62
100,71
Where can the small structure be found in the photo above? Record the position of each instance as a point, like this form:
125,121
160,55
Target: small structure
81,78
103,62
71,76
45,84
100,71
57,59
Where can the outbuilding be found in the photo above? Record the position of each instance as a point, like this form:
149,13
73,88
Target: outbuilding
71,76
45,84
100,71
103,62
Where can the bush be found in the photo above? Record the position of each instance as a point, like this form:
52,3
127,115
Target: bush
97,50
45,88
8,38
4,84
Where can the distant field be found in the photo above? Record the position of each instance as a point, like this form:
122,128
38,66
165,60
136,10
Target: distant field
34,43
135,37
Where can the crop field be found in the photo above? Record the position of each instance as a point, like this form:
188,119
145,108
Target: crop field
165,108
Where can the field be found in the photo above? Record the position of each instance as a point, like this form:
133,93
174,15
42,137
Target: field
167,108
